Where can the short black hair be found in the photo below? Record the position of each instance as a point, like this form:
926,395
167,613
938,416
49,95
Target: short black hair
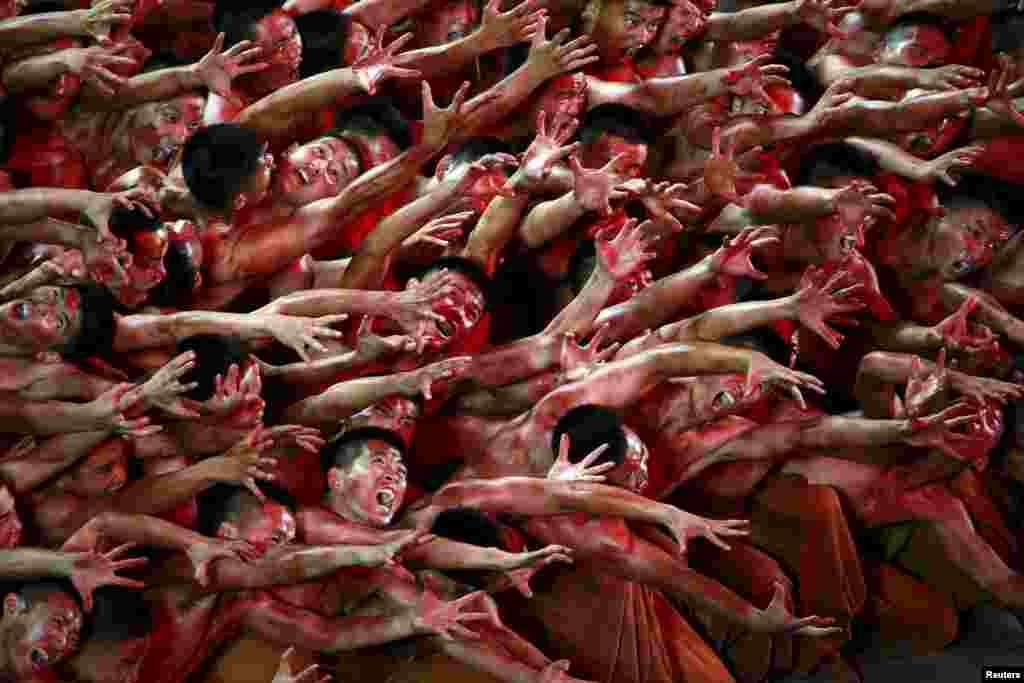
175,290
463,266
118,614
237,20
800,77
224,503
835,159
478,147
43,7
467,525
126,221
342,450
34,592
96,332
218,160
590,426
214,355
324,34
1007,31
615,119
374,116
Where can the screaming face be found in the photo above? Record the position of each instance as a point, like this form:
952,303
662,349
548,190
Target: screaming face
371,489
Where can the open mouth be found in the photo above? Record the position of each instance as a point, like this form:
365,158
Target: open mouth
303,175
386,499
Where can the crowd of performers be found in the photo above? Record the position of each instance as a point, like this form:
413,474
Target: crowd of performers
529,341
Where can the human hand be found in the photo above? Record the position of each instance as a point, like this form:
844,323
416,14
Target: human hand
630,251
164,389
202,555
378,63
925,385
664,203
523,566
938,430
547,149
549,58
960,335
733,257
303,335
776,618
1000,100
558,672
504,29
766,372
946,167
447,619
823,297
109,408
421,380
94,570
307,675
94,65
824,15
596,188
371,346
216,70
750,79
98,20
584,470
685,527
245,462
577,361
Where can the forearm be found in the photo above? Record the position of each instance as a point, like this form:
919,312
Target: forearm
989,311
45,27
660,96
882,77
578,317
769,206
512,92
272,115
50,458
33,564
905,337
144,530
48,231
144,331
514,361
33,73
496,227
155,495
345,399
835,433
154,86
876,118
953,9
320,302
729,320
751,23
891,157
294,566
319,371
445,554
449,58
549,220
656,304
46,418
37,203
509,400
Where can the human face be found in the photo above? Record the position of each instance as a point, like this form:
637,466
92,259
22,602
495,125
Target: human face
104,661
157,130
683,21
964,240
632,472
47,318
916,46
566,95
278,38
102,473
445,22
373,487
703,399
373,148
266,525
147,270
42,635
607,147
462,309
483,191
316,170
625,26
784,100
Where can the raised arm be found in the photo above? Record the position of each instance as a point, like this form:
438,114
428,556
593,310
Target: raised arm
47,459
756,22
45,27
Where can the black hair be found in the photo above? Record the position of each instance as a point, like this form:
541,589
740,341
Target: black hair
467,525
126,221
34,592
214,355
96,314
43,7
1007,31
478,147
118,614
521,291
237,20
324,34
463,266
835,159
374,116
225,503
582,265
175,290
615,119
590,426
995,193
343,450
763,340
218,160
800,77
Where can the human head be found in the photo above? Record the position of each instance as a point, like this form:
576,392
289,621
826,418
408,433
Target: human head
375,128
235,513
464,306
487,186
214,355
565,94
40,628
965,237
147,243
273,31
315,170
365,474
918,41
610,130
103,472
683,20
698,400
116,638
395,414
226,167
73,321
324,34
591,426
444,21
620,28
183,264
153,133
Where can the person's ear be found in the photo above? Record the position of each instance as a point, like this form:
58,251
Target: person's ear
228,530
